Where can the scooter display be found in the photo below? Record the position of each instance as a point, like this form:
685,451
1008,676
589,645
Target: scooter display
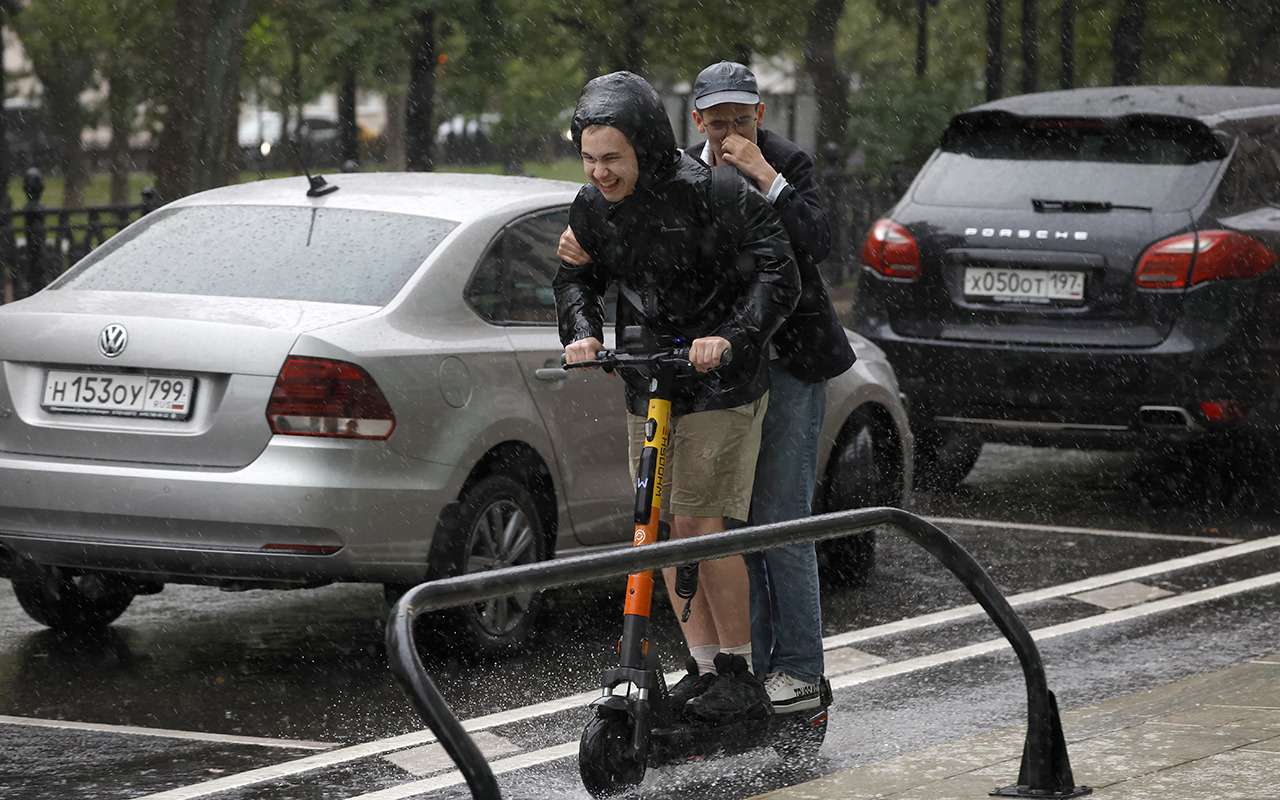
633,727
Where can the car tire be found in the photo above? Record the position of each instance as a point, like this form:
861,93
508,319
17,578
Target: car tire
496,525
863,472
69,602
944,458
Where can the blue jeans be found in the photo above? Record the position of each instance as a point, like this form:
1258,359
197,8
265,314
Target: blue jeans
786,614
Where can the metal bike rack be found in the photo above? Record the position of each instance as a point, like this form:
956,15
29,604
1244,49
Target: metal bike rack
1045,771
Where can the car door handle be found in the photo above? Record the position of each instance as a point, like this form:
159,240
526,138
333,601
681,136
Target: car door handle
550,374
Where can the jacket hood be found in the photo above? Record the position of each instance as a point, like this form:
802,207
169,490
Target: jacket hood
625,101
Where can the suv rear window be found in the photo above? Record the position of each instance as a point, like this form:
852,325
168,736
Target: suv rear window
327,255
1005,163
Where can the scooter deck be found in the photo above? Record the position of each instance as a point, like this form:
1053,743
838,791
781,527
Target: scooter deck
694,742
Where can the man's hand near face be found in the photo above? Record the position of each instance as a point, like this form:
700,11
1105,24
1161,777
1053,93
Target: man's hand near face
570,252
705,353
744,154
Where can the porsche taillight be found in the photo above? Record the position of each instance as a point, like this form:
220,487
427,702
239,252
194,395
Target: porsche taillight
1189,259
890,250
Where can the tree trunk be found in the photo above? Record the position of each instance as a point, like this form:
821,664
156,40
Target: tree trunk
1253,60
634,25
831,89
347,130
1126,44
65,107
1067,74
294,92
1030,47
922,37
995,49
8,262
393,133
119,112
194,151
420,99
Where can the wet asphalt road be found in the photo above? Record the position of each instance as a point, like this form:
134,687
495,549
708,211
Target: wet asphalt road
305,672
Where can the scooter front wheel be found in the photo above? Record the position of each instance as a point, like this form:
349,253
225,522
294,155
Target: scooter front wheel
605,758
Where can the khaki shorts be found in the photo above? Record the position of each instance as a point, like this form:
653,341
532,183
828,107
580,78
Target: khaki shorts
711,460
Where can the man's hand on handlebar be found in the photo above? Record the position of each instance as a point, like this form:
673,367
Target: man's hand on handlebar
582,350
706,353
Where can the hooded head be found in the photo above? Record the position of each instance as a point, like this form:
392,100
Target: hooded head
626,102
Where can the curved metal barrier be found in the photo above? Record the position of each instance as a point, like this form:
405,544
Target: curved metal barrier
1046,768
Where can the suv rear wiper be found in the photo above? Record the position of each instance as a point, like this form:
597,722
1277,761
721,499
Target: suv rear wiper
1084,206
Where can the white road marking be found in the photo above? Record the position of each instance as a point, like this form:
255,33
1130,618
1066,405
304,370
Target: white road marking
847,659
1027,526
378,747
374,748
1052,592
522,761
538,757
1129,593
432,758
165,733
1054,631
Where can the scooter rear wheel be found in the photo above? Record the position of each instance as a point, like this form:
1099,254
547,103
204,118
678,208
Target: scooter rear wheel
604,761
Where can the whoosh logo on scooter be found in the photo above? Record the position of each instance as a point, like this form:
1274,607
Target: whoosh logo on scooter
660,473
639,536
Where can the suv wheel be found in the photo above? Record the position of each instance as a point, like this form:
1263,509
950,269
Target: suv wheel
67,602
944,458
497,526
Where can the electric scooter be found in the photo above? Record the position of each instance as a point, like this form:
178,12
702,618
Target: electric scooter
634,728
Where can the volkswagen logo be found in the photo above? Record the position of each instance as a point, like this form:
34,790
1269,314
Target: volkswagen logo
113,340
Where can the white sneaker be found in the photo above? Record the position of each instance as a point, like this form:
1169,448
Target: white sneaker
788,694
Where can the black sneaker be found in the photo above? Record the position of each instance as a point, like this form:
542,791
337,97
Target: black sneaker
736,694
688,687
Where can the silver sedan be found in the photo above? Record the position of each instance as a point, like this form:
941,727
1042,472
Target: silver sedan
254,388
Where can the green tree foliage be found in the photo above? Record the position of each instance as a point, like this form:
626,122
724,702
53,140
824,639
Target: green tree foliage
910,63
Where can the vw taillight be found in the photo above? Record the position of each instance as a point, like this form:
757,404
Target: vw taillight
1189,259
891,251
325,397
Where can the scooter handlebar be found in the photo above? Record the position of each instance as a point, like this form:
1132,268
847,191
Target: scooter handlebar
613,359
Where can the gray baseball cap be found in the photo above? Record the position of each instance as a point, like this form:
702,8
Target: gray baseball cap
725,82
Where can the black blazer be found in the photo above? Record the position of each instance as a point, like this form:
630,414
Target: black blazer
811,343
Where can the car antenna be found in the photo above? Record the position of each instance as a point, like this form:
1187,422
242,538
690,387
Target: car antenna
318,185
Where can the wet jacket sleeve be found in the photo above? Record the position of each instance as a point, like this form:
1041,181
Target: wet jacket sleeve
800,207
764,252
580,290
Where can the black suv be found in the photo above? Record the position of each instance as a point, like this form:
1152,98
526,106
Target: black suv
1087,268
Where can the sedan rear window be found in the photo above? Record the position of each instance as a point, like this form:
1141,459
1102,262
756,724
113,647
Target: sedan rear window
328,255
1003,163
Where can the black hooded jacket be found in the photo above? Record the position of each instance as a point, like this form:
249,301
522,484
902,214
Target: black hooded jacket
697,270
812,343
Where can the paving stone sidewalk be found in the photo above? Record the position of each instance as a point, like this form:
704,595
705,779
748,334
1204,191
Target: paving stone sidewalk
1210,737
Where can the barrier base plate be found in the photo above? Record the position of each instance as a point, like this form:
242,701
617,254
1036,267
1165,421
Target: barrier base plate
1046,794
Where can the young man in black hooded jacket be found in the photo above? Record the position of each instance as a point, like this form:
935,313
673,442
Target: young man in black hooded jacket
719,274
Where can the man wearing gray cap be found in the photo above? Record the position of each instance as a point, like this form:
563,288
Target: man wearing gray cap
810,348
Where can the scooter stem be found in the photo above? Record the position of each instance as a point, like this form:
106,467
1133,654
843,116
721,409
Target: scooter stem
650,482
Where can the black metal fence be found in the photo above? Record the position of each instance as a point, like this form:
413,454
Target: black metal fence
38,244
1045,771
